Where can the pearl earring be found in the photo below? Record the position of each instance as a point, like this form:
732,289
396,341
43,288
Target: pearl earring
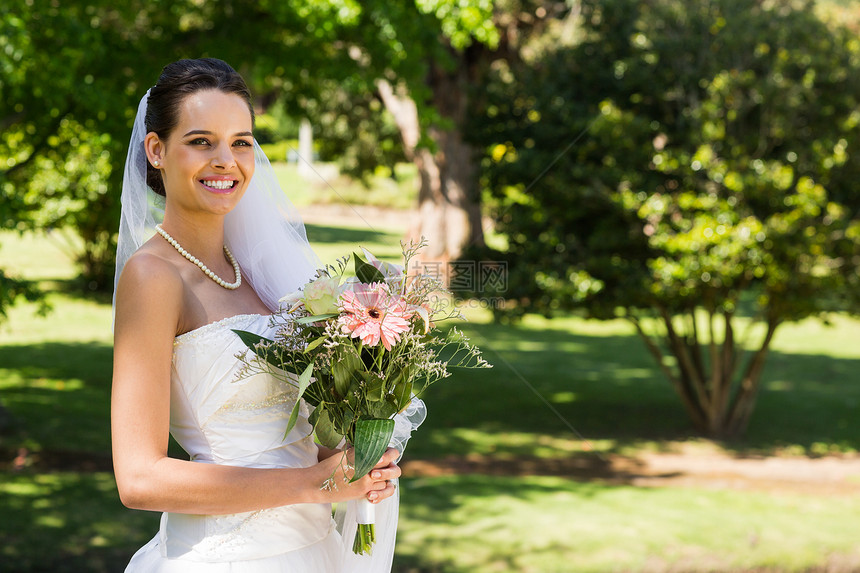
156,163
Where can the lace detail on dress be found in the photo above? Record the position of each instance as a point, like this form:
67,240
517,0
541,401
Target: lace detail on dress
213,327
288,397
223,535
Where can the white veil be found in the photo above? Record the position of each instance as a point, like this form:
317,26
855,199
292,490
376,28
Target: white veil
141,208
266,235
264,232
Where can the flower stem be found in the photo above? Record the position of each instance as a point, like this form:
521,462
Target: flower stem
365,537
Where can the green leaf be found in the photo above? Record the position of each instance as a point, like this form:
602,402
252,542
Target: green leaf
315,318
304,380
294,417
403,394
343,371
375,387
315,414
419,383
383,409
325,431
348,416
251,340
315,393
401,387
314,344
354,396
366,272
371,441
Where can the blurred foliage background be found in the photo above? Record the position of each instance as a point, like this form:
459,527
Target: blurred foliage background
683,172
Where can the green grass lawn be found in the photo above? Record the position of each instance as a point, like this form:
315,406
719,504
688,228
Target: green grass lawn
554,525
808,403
55,379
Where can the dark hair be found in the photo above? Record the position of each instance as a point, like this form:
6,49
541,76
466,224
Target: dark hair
177,81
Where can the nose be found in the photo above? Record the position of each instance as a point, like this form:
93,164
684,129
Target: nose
222,157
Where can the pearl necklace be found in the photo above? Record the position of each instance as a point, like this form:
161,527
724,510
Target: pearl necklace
199,263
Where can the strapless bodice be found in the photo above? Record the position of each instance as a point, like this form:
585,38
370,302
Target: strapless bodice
221,415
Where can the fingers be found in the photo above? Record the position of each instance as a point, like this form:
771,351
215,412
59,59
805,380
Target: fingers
384,479
382,485
376,485
378,495
389,457
392,471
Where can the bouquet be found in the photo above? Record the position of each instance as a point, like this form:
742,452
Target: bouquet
358,348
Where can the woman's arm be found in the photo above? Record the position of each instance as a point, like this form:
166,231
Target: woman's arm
149,298
325,453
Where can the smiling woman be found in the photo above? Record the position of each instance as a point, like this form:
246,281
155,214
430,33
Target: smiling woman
208,158
169,98
249,499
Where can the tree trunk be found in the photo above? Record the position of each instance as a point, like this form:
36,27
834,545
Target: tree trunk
717,406
740,411
684,391
449,214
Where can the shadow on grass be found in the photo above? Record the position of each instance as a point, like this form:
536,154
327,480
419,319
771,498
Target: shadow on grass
58,395
440,512
606,387
609,388
68,523
329,234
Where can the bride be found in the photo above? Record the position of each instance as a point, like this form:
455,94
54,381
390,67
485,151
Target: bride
208,243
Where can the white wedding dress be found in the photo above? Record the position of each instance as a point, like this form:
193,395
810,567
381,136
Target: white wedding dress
221,418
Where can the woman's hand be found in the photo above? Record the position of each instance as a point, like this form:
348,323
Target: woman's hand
376,485
385,472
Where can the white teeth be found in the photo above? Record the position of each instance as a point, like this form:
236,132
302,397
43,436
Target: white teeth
219,184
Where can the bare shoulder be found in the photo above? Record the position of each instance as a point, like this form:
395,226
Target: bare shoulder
148,270
149,288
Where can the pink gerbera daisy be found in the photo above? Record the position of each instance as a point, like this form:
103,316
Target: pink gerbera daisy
372,314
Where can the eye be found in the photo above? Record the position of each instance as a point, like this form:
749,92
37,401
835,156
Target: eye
199,141
242,143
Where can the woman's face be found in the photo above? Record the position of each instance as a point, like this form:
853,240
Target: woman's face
208,159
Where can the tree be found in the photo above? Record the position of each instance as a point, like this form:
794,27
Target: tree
418,60
686,166
449,196
72,75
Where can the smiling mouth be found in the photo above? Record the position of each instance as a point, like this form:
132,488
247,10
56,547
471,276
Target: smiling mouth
219,185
